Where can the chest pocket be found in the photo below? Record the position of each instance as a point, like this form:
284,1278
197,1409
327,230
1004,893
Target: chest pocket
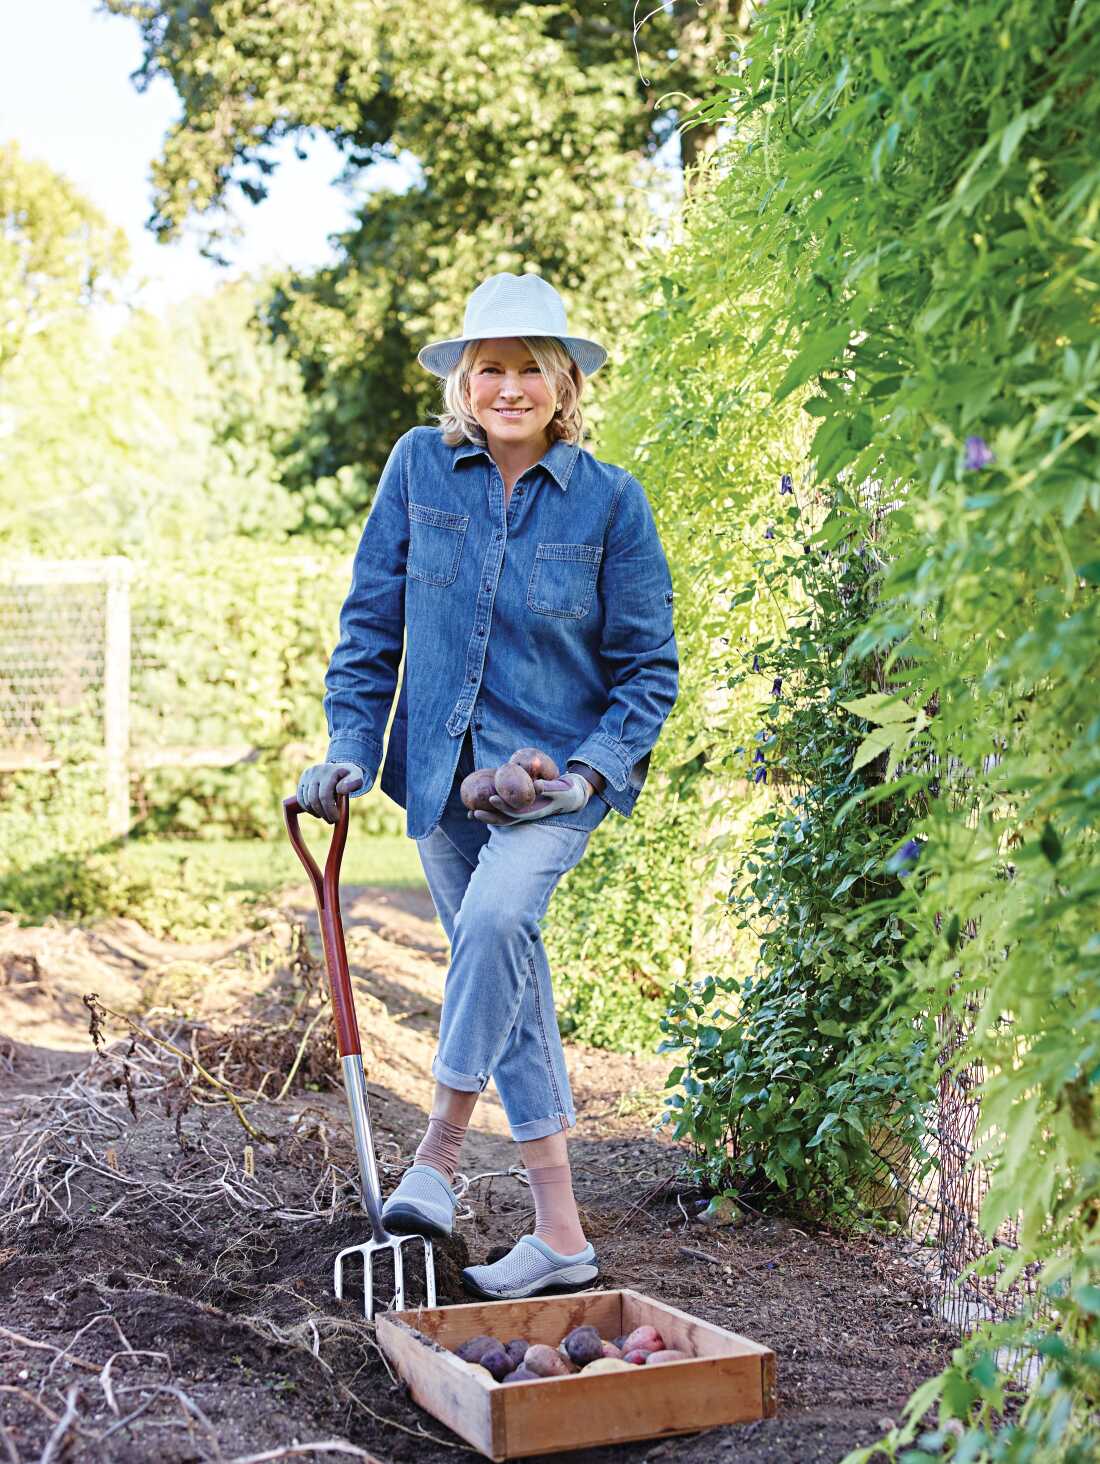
563,580
435,543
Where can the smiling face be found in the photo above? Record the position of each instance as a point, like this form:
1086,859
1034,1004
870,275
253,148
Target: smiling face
508,395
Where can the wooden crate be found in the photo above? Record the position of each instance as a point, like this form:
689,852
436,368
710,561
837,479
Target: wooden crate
727,1379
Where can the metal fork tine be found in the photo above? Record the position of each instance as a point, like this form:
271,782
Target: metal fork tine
398,1278
429,1270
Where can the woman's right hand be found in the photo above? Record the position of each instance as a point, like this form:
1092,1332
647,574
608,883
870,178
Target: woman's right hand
319,785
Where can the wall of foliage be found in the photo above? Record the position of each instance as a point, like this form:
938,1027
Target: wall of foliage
911,201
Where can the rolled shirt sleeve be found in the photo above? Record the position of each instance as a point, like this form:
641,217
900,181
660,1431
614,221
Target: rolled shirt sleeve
638,645
362,674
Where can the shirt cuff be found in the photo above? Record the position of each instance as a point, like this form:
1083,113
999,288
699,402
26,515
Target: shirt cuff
613,760
363,754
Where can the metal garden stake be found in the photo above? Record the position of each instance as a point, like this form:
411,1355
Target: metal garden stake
326,887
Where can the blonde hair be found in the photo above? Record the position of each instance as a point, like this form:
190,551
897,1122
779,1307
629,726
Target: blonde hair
564,379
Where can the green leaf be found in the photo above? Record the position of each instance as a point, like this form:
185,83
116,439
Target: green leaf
875,744
882,707
816,353
1010,138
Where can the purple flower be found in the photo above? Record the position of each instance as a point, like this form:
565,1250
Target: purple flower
756,663
978,454
760,776
785,484
769,532
758,755
805,548
903,860
777,686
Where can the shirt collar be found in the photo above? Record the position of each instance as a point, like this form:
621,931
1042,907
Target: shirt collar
559,459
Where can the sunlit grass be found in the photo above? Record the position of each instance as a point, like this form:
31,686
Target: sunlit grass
252,866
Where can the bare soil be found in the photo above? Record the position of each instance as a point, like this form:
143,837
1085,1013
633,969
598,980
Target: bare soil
166,1278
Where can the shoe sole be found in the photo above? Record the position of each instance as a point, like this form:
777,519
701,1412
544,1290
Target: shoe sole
569,1278
404,1220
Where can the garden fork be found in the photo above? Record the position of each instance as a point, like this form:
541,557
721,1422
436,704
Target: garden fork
326,887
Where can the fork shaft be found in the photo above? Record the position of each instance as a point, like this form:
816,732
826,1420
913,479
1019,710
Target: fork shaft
370,1190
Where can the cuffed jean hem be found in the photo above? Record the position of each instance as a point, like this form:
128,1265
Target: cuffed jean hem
451,1078
542,1128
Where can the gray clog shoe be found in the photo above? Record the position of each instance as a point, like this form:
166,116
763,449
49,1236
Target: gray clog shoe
529,1267
422,1204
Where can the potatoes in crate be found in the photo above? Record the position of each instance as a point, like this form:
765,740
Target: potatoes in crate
580,1351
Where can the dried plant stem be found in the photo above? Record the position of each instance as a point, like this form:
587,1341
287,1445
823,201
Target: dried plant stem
208,1077
300,1053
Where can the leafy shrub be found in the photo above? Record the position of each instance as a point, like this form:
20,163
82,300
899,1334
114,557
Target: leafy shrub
791,1075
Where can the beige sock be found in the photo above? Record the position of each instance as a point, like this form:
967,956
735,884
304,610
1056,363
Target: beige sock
556,1220
440,1146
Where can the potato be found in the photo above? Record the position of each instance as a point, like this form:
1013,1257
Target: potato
665,1354
638,1356
545,1361
482,1374
583,1345
471,1351
497,1361
515,786
521,1374
618,1342
476,787
569,1363
517,1349
643,1337
605,1365
535,762
610,1350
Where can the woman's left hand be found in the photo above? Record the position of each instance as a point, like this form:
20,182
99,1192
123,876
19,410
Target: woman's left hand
566,794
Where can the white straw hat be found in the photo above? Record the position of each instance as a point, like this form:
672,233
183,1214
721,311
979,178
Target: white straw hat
512,305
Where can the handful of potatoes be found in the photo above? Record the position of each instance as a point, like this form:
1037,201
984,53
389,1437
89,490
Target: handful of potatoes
514,781
582,1350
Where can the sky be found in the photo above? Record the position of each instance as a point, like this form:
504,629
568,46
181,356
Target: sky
66,97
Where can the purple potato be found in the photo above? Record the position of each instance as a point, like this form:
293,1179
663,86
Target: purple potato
497,1361
476,788
520,1374
535,762
517,1348
514,785
472,1350
583,1345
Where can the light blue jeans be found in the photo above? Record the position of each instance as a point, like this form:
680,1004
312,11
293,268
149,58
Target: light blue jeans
491,885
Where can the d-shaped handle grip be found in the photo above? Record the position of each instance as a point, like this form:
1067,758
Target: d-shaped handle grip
326,888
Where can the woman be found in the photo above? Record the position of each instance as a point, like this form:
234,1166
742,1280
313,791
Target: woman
530,584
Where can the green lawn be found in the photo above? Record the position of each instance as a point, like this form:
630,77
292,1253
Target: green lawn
257,867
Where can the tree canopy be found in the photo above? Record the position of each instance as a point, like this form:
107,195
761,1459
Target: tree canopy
534,127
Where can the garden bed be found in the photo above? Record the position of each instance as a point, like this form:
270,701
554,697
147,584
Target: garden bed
198,1264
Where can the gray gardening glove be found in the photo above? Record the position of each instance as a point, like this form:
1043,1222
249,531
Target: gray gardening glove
566,794
319,785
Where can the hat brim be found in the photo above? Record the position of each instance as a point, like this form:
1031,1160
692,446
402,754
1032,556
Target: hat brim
441,357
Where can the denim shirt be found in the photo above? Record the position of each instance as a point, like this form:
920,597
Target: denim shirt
547,624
